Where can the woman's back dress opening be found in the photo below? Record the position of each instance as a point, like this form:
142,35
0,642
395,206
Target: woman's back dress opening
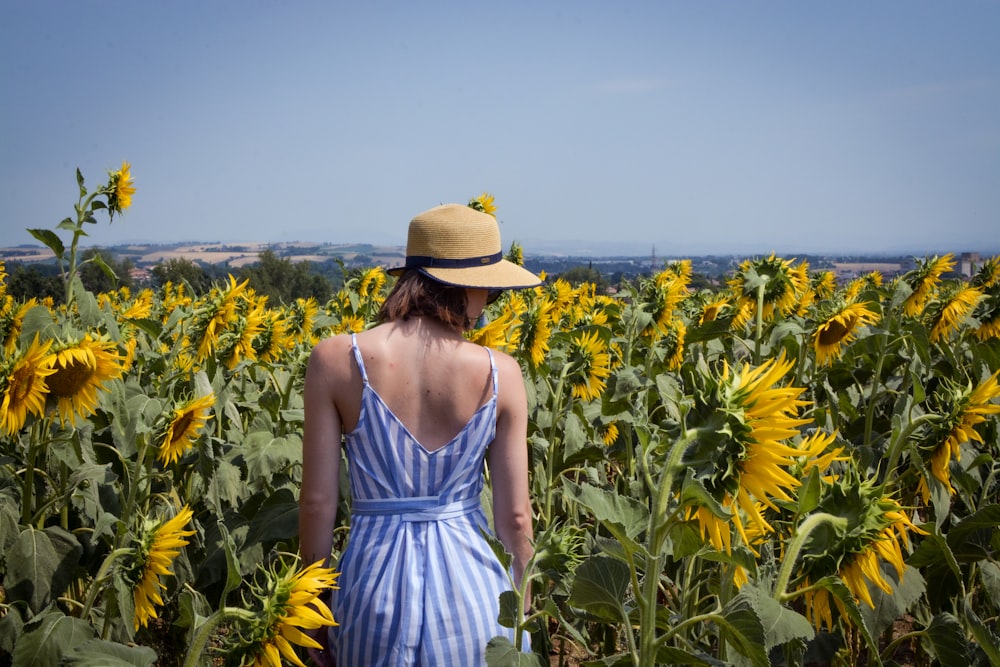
419,584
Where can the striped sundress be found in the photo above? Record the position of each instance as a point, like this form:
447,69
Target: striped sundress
419,585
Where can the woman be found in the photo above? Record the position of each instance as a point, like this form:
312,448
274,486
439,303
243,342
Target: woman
419,407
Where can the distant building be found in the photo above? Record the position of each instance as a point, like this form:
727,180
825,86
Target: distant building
968,262
140,276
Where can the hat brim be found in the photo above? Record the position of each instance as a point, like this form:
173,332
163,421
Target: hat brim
499,275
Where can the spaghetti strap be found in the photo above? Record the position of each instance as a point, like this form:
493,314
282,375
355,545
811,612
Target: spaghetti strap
496,375
361,363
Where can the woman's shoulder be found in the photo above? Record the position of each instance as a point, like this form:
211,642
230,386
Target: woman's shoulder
331,353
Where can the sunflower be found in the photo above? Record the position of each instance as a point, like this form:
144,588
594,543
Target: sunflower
563,296
589,365
970,408
988,274
185,424
781,284
840,329
860,284
237,343
664,294
81,369
515,255
877,530
673,343
713,308
350,324
273,341
498,333
12,321
218,310
154,556
484,203
301,318
745,460
292,603
987,313
535,330
824,283
608,432
371,283
952,311
120,189
23,386
923,280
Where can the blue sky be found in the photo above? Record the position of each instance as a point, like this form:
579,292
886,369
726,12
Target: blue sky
600,127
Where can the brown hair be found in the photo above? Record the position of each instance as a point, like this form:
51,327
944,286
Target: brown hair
415,294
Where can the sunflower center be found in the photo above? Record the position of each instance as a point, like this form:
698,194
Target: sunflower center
20,385
69,379
834,332
181,426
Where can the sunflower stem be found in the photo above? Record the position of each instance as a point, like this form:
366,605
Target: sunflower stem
557,409
876,379
759,327
795,547
97,585
205,630
659,525
896,447
28,495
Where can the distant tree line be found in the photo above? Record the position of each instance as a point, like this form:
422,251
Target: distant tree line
279,278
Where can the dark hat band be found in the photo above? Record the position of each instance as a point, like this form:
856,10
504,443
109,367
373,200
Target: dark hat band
425,262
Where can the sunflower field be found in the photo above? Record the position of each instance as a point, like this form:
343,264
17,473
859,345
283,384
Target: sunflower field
781,471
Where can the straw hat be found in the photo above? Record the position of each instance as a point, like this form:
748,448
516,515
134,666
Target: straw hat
460,246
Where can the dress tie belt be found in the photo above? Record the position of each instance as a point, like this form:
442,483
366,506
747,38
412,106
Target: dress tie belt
419,508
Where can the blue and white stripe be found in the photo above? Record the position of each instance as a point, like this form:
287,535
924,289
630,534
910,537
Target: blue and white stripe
419,585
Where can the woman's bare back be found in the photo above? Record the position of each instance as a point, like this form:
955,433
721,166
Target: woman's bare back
431,379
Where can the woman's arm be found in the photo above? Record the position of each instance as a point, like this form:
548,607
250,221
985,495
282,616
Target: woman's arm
508,458
320,456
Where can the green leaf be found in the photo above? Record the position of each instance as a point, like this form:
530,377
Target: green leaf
610,508
600,584
226,486
277,519
988,641
947,639
742,628
500,652
508,609
781,624
810,492
839,589
47,638
40,565
267,455
934,551
108,271
11,628
68,224
234,576
50,239
86,304
668,655
499,550
101,653
192,609
889,607
38,322
971,537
